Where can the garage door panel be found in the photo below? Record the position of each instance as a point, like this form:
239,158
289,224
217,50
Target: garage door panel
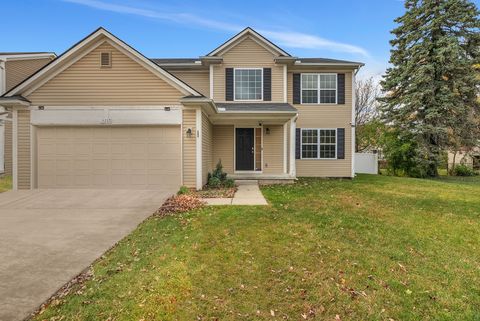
82,164
83,180
121,147
108,157
83,149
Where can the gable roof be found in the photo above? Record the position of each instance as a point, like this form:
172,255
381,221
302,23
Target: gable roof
254,34
36,79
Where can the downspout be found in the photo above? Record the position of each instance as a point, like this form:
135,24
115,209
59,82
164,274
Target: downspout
353,143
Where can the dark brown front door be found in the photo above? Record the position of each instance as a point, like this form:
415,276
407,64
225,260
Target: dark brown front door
244,149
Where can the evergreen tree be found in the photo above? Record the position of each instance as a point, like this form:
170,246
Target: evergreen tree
432,86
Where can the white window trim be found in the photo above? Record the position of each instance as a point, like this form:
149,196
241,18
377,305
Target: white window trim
234,82
318,88
318,144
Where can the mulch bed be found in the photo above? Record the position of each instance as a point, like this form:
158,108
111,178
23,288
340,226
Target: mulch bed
179,204
222,192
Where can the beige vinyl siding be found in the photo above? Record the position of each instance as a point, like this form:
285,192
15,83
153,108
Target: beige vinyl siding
326,116
86,83
17,71
198,80
189,148
223,146
273,150
207,147
247,53
8,148
23,149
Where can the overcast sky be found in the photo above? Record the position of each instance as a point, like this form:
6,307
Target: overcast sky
342,29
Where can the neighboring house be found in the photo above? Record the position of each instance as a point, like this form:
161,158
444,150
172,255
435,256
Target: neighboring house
15,67
470,158
102,115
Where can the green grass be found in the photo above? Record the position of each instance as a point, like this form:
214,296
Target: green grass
373,248
5,183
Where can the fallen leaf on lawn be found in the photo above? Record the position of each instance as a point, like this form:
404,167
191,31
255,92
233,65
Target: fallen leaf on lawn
272,313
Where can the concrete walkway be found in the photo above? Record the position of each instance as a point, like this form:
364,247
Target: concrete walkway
247,193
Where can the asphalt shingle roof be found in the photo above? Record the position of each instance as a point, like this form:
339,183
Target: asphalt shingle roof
257,107
163,61
23,53
327,61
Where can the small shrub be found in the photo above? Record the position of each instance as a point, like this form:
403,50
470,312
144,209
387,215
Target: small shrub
214,182
463,170
183,190
218,172
218,178
229,183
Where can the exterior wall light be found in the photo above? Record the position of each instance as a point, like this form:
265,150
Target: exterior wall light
267,131
189,132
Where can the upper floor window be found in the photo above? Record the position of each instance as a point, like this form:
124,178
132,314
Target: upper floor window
319,88
248,84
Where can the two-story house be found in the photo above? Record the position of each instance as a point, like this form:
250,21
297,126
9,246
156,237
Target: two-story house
102,115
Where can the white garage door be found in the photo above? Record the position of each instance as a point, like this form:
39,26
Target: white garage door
109,157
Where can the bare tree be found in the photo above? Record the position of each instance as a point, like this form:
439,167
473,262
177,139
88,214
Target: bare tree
366,112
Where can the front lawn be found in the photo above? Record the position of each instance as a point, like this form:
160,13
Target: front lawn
375,248
5,183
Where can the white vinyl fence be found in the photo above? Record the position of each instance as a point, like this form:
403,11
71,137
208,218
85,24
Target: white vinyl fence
366,163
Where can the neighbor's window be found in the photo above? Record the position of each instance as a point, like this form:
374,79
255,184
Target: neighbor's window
319,143
319,88
248,84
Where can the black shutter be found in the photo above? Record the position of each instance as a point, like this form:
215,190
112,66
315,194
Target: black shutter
228,84
341,89
298,145
340,143
296,88
267,84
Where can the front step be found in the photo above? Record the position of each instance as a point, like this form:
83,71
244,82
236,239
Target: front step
246,182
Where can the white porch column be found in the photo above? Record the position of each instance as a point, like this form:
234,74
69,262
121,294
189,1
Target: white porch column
292,169
199,174
285,148
15,149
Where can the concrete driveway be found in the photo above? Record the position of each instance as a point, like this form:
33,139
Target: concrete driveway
49,236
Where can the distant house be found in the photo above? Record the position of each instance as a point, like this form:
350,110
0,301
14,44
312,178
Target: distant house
469,158
15,67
